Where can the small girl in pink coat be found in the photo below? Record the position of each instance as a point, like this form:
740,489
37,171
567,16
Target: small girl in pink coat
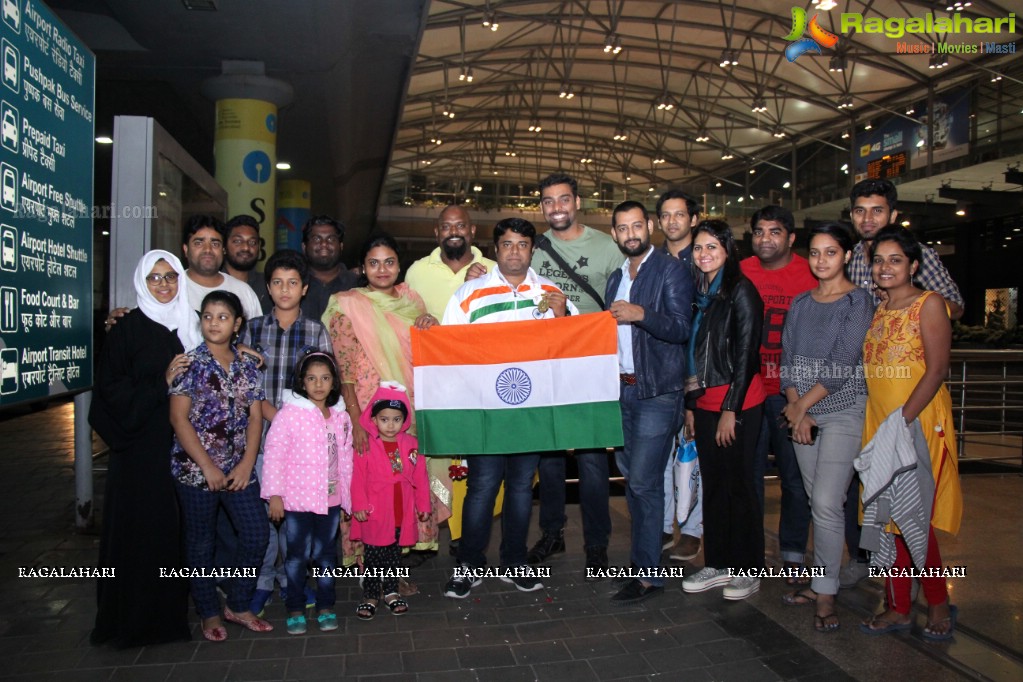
389,488
307,477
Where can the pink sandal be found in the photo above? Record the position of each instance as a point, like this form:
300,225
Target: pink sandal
256,624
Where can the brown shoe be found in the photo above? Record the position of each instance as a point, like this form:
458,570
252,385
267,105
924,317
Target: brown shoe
687,548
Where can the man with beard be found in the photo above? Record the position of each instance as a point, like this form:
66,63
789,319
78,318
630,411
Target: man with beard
677,214
652,298
587,257
241,254
436,278
779,276
204,250
323,240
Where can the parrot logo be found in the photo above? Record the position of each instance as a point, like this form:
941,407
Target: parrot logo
819,37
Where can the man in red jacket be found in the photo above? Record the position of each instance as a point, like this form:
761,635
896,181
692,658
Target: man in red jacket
779,276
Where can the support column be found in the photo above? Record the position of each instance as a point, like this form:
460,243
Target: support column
293,209
245,140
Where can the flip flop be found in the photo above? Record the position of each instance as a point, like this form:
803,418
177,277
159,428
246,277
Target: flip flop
215,634
953,614
821,624
799,597
397,606
890,627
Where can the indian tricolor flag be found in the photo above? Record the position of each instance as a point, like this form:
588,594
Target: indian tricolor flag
511,387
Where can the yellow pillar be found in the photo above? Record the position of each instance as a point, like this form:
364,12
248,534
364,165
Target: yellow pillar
294,201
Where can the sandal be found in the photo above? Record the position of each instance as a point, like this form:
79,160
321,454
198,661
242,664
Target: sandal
216,633
826,623
407,588
869,627
799,597
796,580
327,621
397,606
929,633
256,624
366,611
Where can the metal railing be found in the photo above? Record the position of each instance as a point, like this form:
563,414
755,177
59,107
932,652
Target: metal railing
987,399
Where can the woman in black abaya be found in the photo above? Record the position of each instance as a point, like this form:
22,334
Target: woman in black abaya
142,354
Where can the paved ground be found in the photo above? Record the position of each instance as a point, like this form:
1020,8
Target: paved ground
565,632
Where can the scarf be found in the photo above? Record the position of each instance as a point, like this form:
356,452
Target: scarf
703,301
176,315
381,324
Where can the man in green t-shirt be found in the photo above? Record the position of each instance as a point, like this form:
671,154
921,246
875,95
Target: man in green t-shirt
588,257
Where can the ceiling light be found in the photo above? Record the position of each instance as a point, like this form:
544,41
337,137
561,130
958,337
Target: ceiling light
612,44
752,171
477,188
717,184
727,155
938,61
466,75
566,91
910,110
702,136
778,132
740,199
825,4
650,189
534,126
490,21
845,102
845,166
957,6
283,165
995,77
961,211
786,185
596,194
619,135
659,160
511,152
868,125
586,159
845,134
838,63
729,58
105,233
104,139
759,106
905,223
665,104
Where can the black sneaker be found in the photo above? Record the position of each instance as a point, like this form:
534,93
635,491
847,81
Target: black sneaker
596,564
523,583
461,583
549,543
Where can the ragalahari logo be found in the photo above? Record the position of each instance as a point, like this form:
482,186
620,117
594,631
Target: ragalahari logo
819,37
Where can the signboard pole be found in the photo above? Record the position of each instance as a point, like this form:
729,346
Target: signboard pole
83,461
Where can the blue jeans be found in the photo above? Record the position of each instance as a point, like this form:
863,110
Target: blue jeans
199,510
485,475
794,523
649,426
312,539
276,547
593,495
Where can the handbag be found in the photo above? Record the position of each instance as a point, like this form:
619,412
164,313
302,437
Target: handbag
686,473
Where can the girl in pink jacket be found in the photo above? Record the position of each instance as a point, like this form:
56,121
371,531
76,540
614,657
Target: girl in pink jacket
307,477
389,488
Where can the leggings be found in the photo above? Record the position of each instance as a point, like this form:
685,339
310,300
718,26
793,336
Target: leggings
386,558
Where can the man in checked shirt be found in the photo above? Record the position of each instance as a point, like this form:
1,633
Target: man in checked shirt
873,207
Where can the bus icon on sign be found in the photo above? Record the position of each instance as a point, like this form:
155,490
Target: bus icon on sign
12,15
8,248
12,75
9,185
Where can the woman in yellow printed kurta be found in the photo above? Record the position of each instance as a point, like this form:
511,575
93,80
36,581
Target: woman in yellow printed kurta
905,359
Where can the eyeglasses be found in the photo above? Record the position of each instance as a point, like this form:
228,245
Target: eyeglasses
319,239
169,278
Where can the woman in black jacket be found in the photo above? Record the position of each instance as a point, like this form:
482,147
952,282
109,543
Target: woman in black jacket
724,401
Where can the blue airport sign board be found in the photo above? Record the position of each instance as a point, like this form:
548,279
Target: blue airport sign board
47,103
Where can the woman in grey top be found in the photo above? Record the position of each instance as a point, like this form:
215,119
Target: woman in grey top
822,379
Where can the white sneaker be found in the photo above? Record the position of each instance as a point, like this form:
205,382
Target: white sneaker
705,579
741,587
